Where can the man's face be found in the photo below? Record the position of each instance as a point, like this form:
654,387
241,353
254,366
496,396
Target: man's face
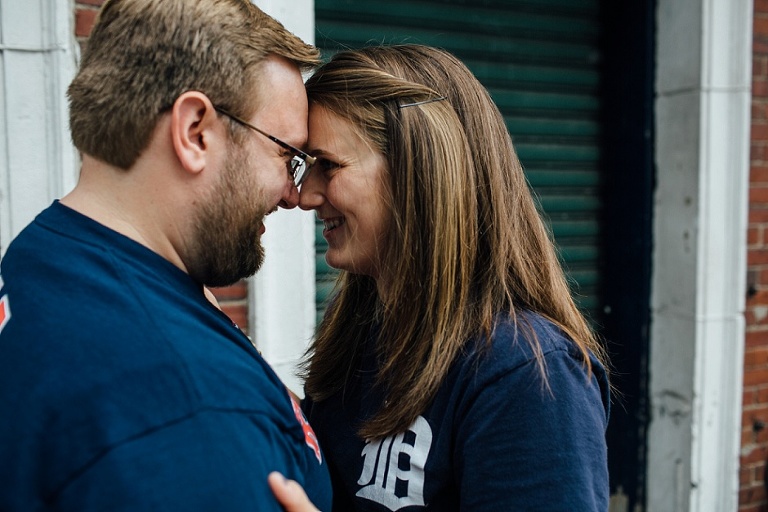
253,181
230,223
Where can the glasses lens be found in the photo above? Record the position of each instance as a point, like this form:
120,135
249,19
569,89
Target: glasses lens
299,170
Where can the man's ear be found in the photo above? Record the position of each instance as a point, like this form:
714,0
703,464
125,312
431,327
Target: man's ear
193,120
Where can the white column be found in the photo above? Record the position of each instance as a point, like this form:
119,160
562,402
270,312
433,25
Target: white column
282,294
37,62
699,261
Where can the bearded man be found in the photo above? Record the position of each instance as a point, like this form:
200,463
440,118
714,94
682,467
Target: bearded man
122,387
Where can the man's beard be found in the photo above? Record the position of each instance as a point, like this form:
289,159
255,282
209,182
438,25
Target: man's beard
227,240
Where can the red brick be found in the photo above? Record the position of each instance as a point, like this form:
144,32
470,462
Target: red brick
746,476
753,415
759,130
756,338
760,46
752,494
761,297
758,174
752,507
756,357
759,111
758,194
757,329
759,66
759,221
759,84
238,314
84,19
757,256
747,438
758,151
748,441
760,27
759,472
749,396
756,320
755,377
236,291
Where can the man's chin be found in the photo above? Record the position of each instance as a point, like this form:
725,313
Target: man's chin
219,276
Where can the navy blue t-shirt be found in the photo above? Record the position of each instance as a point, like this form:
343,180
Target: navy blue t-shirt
495,438
123,388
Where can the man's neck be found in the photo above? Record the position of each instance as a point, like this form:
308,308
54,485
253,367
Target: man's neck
119,200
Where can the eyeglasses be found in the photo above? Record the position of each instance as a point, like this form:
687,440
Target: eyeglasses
300,163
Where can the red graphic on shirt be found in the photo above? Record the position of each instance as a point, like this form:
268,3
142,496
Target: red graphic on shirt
309,434
5,312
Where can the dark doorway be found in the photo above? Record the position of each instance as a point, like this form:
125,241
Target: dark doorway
628,171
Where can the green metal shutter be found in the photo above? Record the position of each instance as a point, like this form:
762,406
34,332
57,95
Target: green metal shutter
539,60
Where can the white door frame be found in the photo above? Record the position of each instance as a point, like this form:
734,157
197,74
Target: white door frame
38,163
703,87
282,294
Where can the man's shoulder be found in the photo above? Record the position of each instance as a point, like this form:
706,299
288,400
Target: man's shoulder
54,243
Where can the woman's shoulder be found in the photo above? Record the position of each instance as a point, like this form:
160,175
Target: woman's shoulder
520,339
524,341
521,348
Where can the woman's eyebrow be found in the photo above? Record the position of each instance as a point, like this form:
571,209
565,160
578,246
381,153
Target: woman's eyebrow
320,153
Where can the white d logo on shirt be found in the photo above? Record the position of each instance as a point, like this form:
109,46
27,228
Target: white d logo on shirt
384,456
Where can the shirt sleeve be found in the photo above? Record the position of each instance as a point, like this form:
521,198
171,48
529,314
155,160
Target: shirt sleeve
524,446
215,460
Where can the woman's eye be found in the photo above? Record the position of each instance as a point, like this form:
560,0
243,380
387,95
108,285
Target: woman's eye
325,165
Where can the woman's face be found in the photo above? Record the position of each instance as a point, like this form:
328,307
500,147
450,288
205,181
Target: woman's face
346,187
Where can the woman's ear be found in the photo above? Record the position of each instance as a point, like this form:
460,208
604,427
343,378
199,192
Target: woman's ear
193,119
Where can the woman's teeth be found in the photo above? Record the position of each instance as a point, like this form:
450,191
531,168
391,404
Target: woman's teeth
333,223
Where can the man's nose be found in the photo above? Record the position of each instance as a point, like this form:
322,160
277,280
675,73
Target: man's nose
290,197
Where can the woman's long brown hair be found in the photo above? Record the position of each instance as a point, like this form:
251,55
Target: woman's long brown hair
466,240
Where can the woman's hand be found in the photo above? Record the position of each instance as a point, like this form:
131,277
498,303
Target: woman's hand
290,494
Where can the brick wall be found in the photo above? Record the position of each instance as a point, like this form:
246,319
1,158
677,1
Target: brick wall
754,430
233,299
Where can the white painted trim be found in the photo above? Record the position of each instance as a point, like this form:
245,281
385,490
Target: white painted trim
38,56
699,262
282,294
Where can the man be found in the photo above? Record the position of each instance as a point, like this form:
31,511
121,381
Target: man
121,386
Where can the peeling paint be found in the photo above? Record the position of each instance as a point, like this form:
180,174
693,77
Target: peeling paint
674,405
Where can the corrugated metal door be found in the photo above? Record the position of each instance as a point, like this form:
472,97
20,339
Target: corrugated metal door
539,59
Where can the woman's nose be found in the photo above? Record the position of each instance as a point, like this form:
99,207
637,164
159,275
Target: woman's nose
311,193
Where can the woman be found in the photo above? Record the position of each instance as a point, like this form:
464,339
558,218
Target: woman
452,370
